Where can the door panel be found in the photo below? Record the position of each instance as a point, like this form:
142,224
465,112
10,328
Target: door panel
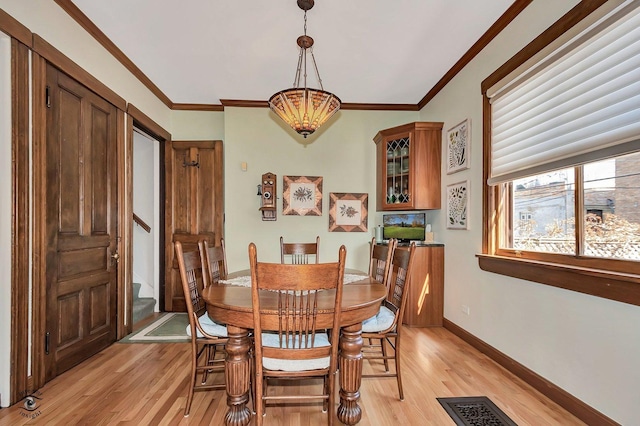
81,223
195,206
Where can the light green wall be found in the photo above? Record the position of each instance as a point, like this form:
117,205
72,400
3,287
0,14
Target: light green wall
588,346
342,152
197,125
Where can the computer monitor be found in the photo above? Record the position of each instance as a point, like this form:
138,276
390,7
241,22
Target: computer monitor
404,227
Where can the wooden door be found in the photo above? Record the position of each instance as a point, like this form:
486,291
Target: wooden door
195,206
81,223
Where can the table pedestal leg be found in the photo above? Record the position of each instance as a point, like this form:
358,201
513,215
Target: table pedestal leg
349,411
237,375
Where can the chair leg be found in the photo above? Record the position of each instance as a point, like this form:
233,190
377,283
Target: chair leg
331,401
263,401
192,381
383,348
208,361
397,359
325,390
252,382
258,400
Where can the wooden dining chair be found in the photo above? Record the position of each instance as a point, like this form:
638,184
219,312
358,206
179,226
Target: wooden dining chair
301,348
208,339
299,253
386,326
214,260
380,260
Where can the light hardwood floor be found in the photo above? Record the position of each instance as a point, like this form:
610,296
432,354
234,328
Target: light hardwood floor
146,384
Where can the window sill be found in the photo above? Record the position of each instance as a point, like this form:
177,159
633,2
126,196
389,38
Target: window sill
596,282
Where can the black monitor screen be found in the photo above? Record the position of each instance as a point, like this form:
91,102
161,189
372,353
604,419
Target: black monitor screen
404,226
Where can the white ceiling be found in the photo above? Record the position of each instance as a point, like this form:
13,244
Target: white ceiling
367,51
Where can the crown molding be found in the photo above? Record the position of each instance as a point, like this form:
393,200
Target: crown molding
244,103
197,107
344,106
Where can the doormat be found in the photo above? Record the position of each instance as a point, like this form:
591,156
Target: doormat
475,411
171,327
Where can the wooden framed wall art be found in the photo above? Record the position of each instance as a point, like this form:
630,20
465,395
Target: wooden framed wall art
457,202
458,139
302,195
348,212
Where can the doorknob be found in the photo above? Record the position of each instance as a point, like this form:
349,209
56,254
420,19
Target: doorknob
115,256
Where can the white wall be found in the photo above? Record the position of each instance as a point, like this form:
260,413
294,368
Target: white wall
5,217
145,206
588,346
342,152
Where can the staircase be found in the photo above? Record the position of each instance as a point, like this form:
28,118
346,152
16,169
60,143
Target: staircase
142,306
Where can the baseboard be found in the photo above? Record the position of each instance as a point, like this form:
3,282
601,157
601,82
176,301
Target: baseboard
564,399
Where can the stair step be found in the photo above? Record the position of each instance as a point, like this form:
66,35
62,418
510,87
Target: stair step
142,308
136,291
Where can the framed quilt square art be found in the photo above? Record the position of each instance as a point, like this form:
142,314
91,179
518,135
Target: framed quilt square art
302,195
348,212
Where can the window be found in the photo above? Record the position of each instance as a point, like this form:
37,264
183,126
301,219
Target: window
550,198
563,156
610,192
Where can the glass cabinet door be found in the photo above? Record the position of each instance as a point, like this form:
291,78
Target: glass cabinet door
398,190
408,166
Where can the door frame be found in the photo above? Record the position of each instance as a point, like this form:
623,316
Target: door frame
20,382
139,120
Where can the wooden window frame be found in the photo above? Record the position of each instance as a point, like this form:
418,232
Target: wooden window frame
617,280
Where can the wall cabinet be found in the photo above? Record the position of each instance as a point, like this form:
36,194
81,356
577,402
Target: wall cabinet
408,167
425,301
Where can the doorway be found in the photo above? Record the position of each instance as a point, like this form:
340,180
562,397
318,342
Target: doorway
146,139
146,219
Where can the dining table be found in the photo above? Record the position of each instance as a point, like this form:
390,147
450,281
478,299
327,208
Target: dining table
229,302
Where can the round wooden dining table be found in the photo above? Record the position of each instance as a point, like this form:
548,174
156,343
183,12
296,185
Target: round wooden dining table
231,305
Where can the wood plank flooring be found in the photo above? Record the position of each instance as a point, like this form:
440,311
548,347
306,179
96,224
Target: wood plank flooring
146,384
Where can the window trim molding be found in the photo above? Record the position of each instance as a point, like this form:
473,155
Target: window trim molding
610,285
597,277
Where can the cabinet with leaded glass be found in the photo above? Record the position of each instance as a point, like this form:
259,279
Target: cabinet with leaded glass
408,167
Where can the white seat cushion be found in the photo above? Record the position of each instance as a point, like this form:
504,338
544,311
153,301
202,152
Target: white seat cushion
273,340
209,326
381,321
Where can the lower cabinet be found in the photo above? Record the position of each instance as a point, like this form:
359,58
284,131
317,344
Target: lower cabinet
426,287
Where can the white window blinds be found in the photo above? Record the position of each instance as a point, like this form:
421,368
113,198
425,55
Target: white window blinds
579,103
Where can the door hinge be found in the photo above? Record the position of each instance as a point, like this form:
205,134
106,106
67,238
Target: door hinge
47,339
48,97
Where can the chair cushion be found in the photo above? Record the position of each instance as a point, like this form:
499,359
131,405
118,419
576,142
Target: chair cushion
272,340
209,326
381,321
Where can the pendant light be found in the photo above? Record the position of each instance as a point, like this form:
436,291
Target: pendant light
303,108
